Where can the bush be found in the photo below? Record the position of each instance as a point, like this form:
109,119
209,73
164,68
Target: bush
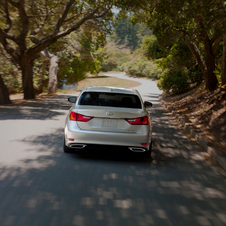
114,60
141,68
175,81
109,64
121,59
11,76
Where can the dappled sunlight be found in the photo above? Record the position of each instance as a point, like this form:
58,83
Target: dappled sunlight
40,185
34,152
119,193
153,96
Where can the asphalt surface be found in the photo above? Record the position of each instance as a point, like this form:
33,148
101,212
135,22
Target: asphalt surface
42,186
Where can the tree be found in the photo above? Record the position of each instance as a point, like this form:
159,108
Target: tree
223,75
52,87
9,81
4,94
200,24
177,63
129,34
80,53
174,56
28,27
151,48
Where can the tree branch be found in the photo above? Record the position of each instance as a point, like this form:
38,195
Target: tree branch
76,26
196,53
45,42
33,16
12,52
69,19
25,21
216,44
63,16
8,20
104,13
79,13
203,34
9,36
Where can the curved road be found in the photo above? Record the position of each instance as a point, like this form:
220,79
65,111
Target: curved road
42,186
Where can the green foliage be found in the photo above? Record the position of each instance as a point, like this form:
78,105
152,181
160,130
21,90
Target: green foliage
177,56
141,67
110,64
40,74
119,58
115,55
10,75
195,75
151,48
175,81
171,60
75,69
199,24
80,53
13,81
29,27
129,34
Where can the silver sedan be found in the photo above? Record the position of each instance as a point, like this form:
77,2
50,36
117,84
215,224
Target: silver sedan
108,117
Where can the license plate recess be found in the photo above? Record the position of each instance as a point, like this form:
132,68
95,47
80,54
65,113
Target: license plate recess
109,123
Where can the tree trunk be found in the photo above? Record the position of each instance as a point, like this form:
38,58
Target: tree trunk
52,87
196,53
211,81
223,75
27,77
207,66
4,94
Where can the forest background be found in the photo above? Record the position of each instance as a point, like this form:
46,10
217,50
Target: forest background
181,43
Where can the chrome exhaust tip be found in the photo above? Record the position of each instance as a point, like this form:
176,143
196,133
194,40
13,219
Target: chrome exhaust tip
77,146
135,149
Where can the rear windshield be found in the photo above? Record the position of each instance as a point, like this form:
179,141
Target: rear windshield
110,100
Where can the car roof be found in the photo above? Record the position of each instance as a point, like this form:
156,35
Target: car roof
109,89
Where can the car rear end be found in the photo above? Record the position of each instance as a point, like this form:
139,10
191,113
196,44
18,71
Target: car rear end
108,116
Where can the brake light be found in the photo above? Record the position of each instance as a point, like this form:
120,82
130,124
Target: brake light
78,117
139,121
145,120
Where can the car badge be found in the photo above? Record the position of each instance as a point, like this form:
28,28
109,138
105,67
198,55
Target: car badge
109,113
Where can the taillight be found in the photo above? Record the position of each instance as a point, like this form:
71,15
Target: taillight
139,121
78,117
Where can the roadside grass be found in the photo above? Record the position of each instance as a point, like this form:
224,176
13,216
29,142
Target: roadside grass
100,80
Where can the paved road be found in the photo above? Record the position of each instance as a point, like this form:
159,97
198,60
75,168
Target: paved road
42,186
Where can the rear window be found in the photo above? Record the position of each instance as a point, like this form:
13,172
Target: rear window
110,100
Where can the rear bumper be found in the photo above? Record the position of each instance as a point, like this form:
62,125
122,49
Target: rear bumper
109,148
89,138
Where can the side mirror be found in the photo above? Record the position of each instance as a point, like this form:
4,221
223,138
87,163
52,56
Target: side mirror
72,99
147,104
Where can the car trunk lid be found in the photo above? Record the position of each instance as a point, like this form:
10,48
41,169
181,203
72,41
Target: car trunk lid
109,119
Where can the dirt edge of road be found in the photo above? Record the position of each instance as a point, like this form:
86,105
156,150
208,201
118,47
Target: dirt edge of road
203,115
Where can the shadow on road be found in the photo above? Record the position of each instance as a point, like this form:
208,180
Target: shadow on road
51,188
37,109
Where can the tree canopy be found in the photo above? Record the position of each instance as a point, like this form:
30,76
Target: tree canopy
28,27
129,34
199,24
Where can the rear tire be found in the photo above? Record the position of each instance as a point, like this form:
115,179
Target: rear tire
66,148
147,154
